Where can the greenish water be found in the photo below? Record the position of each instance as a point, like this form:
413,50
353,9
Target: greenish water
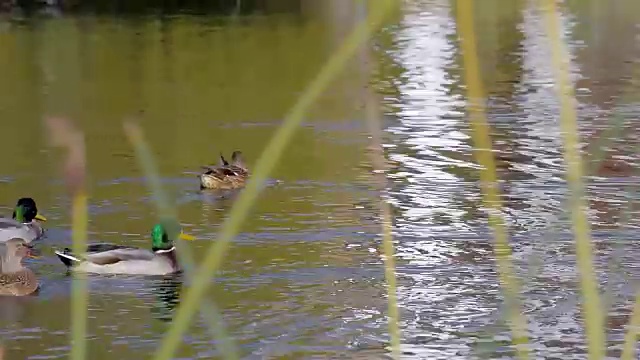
304,277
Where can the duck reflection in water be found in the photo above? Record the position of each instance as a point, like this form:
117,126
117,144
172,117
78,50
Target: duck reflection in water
166,290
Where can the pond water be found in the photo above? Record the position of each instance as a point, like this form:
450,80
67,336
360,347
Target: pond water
304,277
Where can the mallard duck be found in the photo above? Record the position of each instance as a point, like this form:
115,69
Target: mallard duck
15,279
122,259
24,223
226,175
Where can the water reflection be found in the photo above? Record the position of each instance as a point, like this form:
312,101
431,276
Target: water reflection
167,291
13,308
449,290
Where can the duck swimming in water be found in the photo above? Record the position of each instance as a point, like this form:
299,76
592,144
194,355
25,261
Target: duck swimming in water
15,278
24,223
121,259
226,175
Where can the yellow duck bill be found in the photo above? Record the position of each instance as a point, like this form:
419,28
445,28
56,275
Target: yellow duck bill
184,236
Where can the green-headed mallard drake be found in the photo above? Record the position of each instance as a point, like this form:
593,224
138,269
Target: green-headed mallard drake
226,175
24,223
119,259
15,279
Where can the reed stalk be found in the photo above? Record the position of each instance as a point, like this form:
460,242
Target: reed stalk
64,134
488,179
591,305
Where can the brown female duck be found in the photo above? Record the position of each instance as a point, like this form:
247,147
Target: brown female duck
226,175
15,279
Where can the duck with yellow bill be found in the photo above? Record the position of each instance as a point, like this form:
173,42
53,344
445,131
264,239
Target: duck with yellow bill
121,259
24,223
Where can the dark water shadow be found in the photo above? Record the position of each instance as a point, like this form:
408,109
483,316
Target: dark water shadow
14,308
161,293
163,8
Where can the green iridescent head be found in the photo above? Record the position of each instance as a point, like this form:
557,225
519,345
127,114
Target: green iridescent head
160,238
26,211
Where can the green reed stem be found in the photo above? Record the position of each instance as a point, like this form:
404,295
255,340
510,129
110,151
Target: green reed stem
613,263
209,311
266,162
79,293
390,276
589,285
631,337
147,162
373,116
64,134
488,178
387,237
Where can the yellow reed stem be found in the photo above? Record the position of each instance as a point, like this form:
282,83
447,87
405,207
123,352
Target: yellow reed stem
80,296
591,304
373,116
631,337
64,134
488,179
168,215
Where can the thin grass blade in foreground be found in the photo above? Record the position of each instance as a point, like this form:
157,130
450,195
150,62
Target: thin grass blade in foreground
591,304
614,263
64,134
373,117
633,328
167,213
597,149
210,312
206,272
488,178
631,337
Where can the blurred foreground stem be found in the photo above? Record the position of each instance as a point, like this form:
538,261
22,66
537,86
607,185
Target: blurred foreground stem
79,297
488,179
378,160
65,135
168,215
631,337
591,304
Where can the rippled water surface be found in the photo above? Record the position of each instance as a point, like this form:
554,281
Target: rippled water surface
304,277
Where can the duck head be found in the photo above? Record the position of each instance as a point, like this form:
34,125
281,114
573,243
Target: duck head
26,211
160,242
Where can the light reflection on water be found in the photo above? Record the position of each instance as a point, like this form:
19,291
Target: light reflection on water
449,295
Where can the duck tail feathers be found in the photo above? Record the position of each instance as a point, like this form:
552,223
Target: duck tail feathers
67,257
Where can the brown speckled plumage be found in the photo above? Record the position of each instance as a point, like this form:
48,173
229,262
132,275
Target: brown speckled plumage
15,279
226,175
20,283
